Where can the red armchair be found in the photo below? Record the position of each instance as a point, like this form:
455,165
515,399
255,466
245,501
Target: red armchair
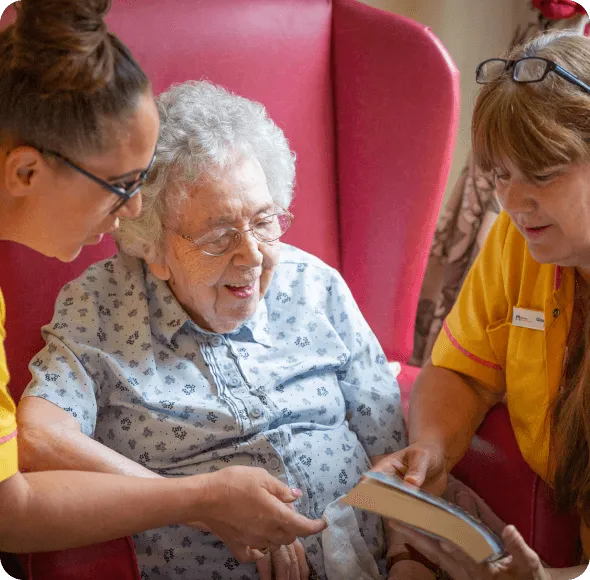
368,100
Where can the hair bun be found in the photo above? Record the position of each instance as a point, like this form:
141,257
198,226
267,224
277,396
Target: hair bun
64,44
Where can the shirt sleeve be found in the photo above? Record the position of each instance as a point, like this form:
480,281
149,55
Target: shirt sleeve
479,313
8,447
367,382
60,372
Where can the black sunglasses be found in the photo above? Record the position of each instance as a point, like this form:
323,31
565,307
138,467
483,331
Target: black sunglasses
124,193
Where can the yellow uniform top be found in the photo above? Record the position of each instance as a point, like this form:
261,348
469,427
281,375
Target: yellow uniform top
8,451
485,337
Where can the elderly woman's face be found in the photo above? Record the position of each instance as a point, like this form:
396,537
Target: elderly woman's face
221,292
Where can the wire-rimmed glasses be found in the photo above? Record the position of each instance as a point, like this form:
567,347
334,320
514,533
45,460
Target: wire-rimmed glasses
266,228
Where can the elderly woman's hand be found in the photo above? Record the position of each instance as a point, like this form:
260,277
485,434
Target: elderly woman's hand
247,508
285,563
521,564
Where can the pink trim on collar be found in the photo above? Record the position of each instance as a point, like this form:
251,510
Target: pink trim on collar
557,279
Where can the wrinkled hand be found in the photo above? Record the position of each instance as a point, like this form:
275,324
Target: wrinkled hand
420,464
521,564
284,563
248,510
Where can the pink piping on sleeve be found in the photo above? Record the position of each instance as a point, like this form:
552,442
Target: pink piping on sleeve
468,354
7,438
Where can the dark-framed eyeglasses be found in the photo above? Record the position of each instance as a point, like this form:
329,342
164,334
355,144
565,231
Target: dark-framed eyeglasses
530,69
124,191
266,228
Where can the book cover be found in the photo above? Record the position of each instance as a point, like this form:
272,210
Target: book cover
393,498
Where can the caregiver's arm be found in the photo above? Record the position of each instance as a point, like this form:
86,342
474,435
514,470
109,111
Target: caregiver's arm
446,409
50,438
465,376
72,509
55,510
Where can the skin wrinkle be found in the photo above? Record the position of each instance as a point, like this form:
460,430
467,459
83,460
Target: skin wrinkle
199,280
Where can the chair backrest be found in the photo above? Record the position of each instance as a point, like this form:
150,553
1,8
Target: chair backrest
368,101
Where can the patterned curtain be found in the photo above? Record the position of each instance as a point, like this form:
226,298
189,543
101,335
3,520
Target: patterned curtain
462,227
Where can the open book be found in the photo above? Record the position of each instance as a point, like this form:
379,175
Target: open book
392,498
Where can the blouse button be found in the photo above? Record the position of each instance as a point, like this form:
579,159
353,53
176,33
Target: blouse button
556,313
274,463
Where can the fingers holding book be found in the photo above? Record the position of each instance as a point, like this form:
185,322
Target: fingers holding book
522,563
422,465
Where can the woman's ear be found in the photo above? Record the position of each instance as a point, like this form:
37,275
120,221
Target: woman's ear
160,270
23,170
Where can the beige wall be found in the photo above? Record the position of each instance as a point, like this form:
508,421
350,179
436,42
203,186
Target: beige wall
472,30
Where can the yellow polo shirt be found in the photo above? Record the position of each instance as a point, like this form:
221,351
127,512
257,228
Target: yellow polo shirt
482,337
8,451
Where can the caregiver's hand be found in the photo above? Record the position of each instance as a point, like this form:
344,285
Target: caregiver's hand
421,464
284,563
248,509
521,564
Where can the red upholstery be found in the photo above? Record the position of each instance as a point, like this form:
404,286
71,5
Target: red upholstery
114,560
496,470
352,87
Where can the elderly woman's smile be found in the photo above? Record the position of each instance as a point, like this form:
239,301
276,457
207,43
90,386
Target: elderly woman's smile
214,345
220,292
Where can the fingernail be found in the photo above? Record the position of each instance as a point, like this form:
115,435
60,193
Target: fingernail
296,492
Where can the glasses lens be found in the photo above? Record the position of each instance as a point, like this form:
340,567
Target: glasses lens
490,70
218,242
530,70
272,227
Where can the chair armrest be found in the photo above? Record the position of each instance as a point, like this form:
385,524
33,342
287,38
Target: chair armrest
495,469
113,559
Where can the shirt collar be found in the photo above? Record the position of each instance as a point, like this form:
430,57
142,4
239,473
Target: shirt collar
257,325
167,316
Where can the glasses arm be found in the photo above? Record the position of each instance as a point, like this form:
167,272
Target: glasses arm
571,78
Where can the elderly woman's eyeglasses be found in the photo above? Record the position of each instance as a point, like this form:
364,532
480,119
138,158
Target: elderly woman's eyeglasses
265,228
124,191
531,69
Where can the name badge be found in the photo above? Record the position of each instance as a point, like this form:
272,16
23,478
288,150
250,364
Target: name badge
528,318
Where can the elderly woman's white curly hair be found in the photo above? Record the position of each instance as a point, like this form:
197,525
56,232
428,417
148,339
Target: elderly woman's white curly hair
204,130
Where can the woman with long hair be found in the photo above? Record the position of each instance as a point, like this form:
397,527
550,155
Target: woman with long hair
520,329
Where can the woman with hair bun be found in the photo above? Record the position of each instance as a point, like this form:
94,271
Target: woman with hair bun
78,130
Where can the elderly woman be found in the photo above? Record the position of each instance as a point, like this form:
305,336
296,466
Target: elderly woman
206,344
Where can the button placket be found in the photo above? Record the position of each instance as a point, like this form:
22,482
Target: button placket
256,412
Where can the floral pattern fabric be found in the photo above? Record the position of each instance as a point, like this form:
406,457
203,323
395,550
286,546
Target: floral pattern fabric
302,389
